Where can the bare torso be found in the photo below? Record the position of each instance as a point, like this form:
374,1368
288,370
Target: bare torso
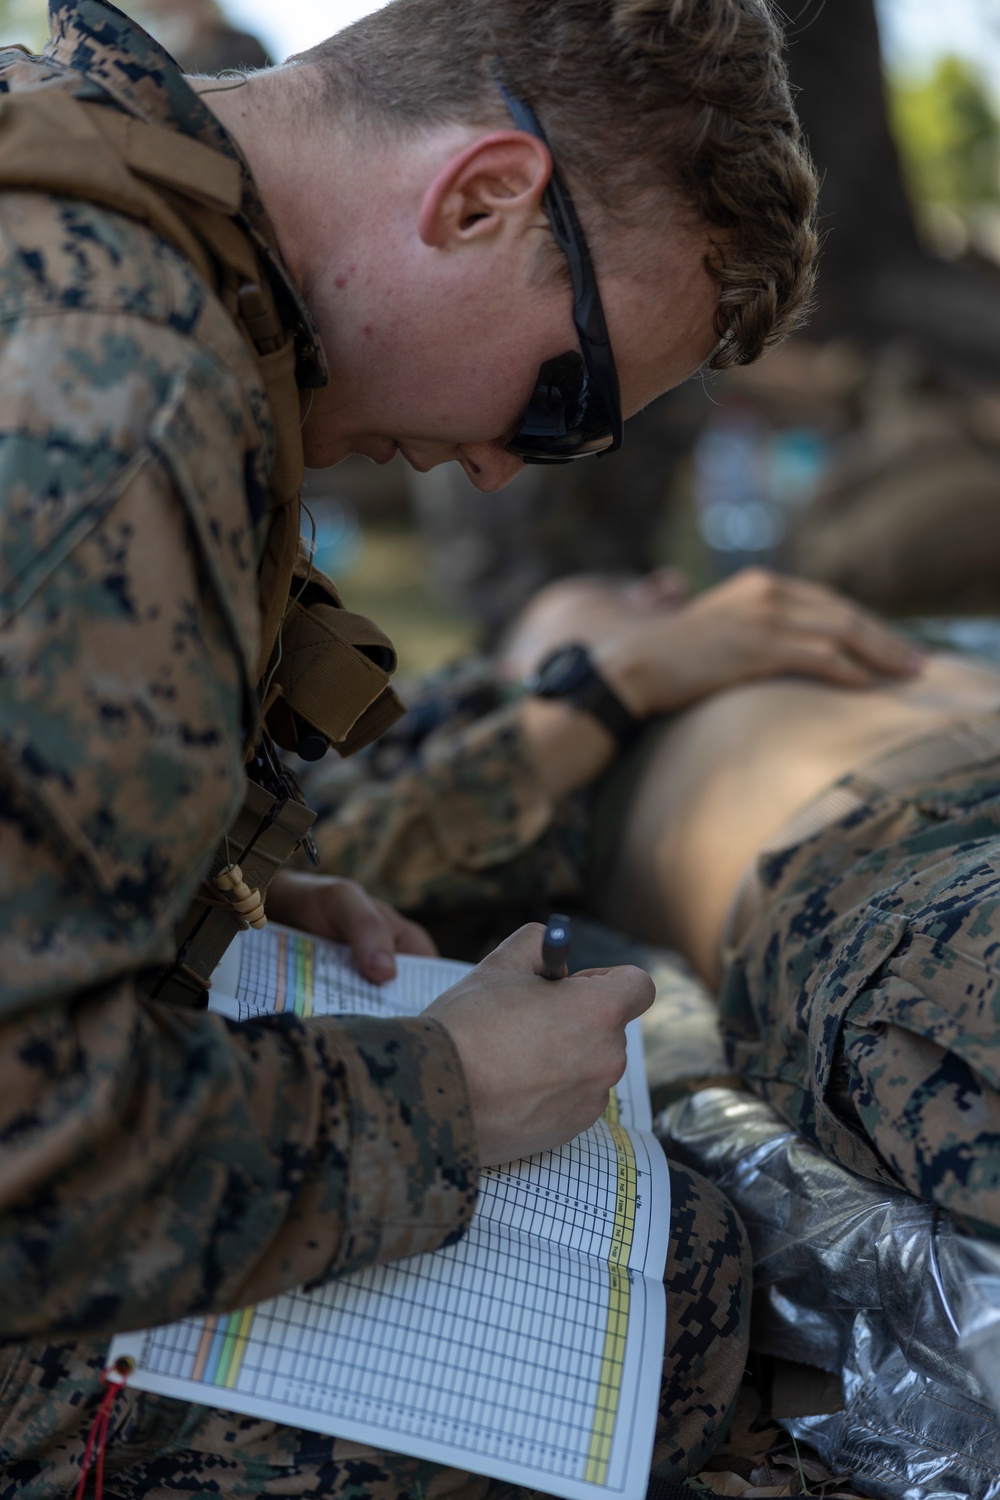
729,773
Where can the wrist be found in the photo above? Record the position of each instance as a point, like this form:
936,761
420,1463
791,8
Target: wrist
627,673
290,895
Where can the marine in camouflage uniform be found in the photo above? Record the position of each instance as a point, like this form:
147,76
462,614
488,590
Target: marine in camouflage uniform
157,1161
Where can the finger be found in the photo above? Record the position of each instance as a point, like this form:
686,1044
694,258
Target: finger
857,644
819,610
409,937
621,993
881,648
823,658
368,930
834,636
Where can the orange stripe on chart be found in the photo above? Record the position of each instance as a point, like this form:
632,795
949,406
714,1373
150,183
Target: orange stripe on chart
282,964
204,1345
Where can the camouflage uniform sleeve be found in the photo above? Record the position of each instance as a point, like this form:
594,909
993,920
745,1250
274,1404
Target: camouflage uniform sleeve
159,1162
468,826
156,1161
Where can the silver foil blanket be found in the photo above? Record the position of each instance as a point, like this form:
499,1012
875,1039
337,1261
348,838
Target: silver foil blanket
850,1276
866,1282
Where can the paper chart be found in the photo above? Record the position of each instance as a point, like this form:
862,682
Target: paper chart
530,1350
510,1349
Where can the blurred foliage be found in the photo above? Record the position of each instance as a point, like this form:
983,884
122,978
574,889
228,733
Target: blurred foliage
948,129
24,21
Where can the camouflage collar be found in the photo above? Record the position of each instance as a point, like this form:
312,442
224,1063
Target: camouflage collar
96,40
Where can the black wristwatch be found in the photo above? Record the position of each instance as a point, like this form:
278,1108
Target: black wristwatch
570,674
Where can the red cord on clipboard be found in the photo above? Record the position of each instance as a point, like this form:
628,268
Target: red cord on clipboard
114,1382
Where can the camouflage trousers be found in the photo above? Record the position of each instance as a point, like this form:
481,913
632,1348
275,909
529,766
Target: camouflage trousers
159,1448
864,1002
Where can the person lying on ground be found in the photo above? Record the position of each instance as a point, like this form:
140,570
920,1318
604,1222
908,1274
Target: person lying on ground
432,839
811,817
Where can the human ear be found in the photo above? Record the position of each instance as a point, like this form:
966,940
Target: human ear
500,178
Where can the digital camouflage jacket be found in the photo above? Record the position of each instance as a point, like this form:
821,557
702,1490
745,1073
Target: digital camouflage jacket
154,1160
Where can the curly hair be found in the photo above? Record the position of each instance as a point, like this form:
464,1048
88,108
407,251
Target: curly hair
646,103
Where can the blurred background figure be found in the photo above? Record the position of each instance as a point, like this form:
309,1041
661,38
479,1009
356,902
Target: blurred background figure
199,35
203,35
896,499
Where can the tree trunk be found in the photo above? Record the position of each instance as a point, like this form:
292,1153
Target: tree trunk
876,282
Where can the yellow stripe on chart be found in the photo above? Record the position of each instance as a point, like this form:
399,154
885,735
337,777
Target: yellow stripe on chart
613,1359
304,977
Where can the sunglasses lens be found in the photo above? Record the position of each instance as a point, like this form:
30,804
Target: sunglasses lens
562,420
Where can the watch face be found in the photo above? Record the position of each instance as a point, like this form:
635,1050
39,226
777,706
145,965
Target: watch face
561,672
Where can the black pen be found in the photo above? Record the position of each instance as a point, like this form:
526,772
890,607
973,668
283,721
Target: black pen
555,946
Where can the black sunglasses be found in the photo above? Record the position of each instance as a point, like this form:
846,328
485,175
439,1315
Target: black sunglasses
575,409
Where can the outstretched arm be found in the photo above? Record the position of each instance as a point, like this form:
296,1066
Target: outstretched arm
752,626
477,821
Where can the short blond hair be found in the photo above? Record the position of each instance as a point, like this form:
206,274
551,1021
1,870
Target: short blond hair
645,102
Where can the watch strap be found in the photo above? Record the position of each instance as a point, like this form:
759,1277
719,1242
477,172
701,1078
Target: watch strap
585,688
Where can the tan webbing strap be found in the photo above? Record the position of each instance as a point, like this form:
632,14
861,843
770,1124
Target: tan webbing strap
173,160
334,667
382,714
48,142
263,837
276,572
324,676
248,297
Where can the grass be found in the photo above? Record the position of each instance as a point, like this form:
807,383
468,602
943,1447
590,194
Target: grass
391,584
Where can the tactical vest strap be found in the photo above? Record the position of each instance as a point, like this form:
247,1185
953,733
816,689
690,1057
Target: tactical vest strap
265,834
188,193
325,647
321,645
171,160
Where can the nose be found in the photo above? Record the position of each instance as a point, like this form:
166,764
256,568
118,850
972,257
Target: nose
489,466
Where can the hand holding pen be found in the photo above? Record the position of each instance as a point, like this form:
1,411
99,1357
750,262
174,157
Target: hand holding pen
538,1074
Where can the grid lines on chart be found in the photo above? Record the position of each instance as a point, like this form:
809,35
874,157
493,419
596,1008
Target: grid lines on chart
521,1327
286,976
543,1196
284,973
537,1330
279,977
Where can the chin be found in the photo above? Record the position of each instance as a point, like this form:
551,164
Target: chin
381,450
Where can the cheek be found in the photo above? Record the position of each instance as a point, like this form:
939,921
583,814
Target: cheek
465,379
464,402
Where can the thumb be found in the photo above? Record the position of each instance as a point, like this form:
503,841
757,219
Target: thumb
521,953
